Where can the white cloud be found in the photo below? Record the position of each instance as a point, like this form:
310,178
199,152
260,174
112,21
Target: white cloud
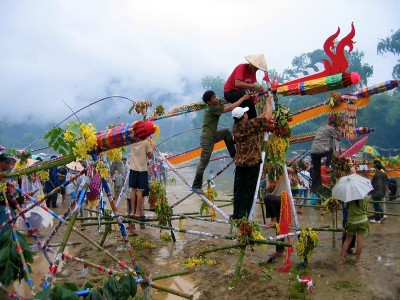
81,51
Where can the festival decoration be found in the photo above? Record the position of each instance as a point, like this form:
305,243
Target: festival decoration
210,194
321,85
307,242
114,154
337,119
276,149
247,231
318,110
308,282
340,168
102,169
355,147
363,130
125,134
376,89
197,261
158,111
337,64
163,210
141,107
284,226
350,119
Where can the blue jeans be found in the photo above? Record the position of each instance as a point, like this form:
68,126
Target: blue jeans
377,208
303,193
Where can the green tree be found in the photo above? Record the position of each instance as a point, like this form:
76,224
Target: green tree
215,84
392,45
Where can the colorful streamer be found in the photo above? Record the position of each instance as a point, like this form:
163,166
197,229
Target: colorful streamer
320,85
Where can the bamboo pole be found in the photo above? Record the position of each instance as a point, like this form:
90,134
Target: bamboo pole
239,263
168,275
106,232
171,291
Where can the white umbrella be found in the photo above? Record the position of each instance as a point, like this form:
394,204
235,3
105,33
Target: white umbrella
351,187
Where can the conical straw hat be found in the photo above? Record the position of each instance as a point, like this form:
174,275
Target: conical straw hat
258,61
76,166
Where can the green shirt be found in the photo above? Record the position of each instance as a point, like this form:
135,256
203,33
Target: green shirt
211,119
357,211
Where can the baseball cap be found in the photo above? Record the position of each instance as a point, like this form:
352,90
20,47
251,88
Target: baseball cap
238,112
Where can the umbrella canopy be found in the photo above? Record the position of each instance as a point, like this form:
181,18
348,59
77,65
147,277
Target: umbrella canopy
370,150
351,187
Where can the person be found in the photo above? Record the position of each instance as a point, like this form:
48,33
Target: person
138,177
72,189
294,187
116,165
125,168
322,146
244,78
248,156
6,164
356,225
118,182
379,183
62,175
163,172
392,187
273,207
210,135
36,216
93,193
51,184
352,244
304,184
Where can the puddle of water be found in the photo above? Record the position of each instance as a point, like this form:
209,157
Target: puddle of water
183,284
40,268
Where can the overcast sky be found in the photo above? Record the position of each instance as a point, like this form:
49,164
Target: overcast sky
55,53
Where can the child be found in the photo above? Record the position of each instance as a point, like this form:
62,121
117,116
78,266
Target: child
357,224
118,183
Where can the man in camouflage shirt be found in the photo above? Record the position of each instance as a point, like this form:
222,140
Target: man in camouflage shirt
248,157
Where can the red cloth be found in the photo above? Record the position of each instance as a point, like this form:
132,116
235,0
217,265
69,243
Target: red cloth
241,72
325,177
94,188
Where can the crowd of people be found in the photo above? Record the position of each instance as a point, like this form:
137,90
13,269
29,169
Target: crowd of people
244,147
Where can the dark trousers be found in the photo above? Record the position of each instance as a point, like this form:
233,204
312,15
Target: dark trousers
207,146
377,208
52,200
234,95
316,181
244,187
273,206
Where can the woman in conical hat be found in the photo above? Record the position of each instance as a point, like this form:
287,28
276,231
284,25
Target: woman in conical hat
244,78
75,166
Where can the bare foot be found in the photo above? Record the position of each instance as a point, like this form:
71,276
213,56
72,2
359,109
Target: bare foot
340,262
271,225
357,263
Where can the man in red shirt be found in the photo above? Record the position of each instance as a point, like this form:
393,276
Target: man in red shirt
244,78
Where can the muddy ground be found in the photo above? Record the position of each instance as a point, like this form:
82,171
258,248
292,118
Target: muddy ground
378,276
